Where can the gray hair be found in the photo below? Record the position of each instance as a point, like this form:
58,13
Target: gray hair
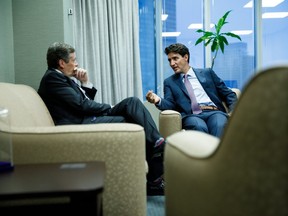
57,51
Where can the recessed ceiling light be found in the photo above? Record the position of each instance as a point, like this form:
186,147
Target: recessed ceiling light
164,17
242,32
198,26
274,15
265,3
170,34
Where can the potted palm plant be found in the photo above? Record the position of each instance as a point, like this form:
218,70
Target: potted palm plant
217,38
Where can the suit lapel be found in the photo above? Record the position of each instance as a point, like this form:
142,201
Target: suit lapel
179,82
73,84
200,75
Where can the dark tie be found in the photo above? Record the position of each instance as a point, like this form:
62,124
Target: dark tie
194,105
80,89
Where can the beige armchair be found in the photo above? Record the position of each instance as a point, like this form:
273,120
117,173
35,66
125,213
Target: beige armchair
244,173
121,146
170,121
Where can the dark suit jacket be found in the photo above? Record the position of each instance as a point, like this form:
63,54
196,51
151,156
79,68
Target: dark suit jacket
176,96
66,103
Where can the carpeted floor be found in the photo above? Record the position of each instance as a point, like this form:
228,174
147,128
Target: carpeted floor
155,205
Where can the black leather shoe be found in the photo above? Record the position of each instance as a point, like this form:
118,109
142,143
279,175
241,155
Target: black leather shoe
156,188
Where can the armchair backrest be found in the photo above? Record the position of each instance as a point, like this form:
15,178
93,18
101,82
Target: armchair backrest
25,106
237,92
246,171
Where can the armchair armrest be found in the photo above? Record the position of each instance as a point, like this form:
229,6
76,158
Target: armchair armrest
185,152
192,143
120,145
170,121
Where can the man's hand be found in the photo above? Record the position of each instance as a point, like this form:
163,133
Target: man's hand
81,75
152,97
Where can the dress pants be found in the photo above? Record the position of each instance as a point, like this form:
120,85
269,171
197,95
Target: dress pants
209,121
132,110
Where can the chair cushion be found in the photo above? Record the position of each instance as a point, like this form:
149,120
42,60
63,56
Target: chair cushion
25,106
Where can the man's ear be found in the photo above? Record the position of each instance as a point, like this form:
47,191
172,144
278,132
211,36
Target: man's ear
186,57
61,63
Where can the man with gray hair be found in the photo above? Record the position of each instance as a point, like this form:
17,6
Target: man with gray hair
70,103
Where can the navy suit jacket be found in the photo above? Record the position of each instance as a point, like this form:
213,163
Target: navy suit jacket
176,96
66,103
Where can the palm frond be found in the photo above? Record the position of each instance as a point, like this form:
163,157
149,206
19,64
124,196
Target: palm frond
214,45
223,39
208,41
232,35
217,38
221,45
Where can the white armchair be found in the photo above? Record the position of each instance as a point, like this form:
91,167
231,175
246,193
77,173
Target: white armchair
121,146
244,173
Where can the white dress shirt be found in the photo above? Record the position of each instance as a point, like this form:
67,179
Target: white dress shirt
200,94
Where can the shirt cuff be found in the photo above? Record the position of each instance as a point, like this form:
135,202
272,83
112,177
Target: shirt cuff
88,85
158,103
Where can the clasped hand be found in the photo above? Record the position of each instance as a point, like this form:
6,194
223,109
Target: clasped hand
152,97
81,74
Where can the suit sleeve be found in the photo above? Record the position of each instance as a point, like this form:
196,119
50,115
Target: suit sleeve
168,101
62,91
226,94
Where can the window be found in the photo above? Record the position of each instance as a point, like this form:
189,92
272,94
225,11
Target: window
181,19
236,65
275,29
147,45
